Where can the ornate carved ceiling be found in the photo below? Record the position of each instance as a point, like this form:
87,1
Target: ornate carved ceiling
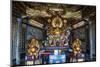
47,10
40,12
44,13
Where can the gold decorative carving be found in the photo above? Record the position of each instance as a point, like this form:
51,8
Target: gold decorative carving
58,25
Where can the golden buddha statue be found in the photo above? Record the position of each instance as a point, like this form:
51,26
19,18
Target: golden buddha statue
76,46
33,48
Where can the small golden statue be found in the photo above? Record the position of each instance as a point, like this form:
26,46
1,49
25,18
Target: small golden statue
76,46
33,48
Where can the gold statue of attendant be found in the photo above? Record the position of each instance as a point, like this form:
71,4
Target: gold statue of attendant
76,46
33,48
